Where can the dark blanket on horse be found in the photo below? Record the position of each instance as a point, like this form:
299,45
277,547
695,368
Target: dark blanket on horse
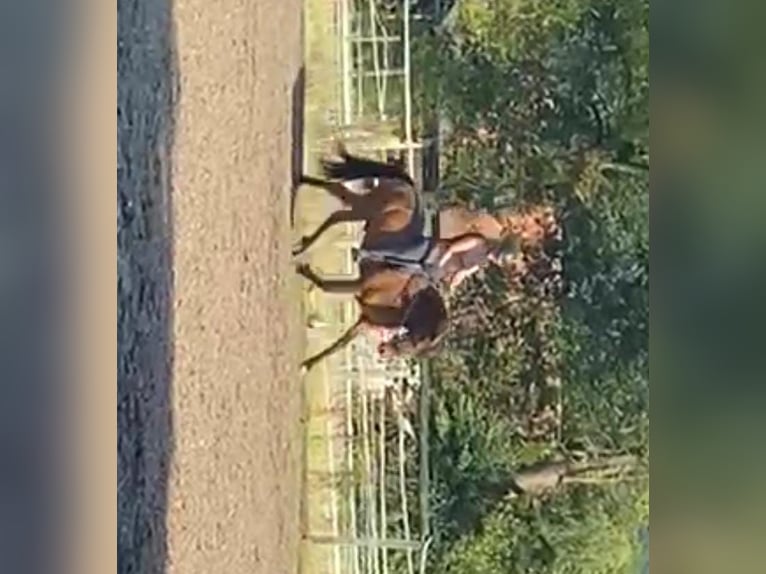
411,256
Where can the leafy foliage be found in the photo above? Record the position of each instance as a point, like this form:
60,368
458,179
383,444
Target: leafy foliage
577,533
544,101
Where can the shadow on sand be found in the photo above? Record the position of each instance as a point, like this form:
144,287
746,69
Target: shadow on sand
297,118
147,95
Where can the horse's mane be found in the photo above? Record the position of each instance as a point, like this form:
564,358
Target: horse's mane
428,317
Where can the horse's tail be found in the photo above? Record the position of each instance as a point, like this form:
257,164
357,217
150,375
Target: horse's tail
354,167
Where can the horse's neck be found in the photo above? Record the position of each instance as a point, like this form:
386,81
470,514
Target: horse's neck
382,315
386,289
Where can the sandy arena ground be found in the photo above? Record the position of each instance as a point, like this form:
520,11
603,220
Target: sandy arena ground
209,448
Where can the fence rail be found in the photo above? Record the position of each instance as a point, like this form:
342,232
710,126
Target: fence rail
375,482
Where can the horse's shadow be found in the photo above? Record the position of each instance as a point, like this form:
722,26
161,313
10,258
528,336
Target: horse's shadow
298,156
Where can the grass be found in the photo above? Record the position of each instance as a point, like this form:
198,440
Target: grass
322,96
322,110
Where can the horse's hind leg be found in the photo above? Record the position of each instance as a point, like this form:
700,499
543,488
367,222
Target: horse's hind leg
336,286
340,216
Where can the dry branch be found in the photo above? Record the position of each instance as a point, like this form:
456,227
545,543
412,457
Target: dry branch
550,475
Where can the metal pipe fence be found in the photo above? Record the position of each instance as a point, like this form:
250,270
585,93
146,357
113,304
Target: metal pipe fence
375,480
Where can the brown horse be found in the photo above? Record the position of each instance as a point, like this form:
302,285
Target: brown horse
385,198
392,296
391,300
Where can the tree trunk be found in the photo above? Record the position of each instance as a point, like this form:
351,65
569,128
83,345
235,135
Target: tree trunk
550,475
540,478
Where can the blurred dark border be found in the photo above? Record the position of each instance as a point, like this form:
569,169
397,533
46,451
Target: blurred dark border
32,286
708,280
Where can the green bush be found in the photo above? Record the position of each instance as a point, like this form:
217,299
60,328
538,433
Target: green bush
585,532
545,100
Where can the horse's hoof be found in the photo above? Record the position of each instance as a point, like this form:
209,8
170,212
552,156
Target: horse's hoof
299,247
305,369
302,269
315,322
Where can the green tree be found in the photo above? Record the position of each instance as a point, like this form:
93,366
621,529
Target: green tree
585,531
545,101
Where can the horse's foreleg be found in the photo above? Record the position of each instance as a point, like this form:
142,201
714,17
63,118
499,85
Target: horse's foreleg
340,216
338,286
341,342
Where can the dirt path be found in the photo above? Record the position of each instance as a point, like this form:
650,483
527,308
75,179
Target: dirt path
233,497
209,339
